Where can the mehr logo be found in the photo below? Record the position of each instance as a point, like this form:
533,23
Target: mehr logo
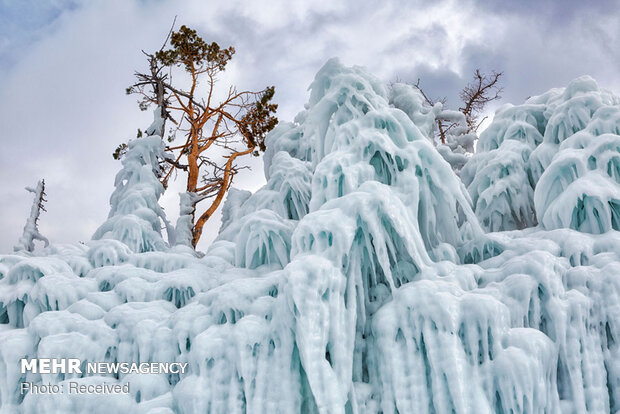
51,366
73,366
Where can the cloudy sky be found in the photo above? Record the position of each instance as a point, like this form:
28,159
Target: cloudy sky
65,65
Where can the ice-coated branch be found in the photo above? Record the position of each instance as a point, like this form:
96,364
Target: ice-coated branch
31,229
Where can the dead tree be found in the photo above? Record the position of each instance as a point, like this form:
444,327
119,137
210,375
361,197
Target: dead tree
31,229
475,96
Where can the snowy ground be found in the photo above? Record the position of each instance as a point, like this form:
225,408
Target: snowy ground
365,277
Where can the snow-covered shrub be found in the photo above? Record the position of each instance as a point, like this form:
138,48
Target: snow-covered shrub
566,136
135,216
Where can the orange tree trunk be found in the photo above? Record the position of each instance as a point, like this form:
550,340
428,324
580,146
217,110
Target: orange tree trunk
226,180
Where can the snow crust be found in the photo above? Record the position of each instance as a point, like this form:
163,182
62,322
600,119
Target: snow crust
358,279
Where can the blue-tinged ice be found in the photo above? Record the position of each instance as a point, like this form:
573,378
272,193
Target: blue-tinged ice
554,160
359,278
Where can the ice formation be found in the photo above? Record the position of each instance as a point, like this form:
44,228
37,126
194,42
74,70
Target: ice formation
553,160
135,217
358,279
31,229
459,143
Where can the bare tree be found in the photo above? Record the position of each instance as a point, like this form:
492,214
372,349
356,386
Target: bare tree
235,125
475,96
441,127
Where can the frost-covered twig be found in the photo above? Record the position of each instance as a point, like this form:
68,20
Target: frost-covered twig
31,229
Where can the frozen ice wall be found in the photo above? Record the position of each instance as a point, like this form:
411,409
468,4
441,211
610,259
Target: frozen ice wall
553,160
357,280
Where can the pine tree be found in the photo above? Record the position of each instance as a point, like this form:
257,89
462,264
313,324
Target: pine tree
236,125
